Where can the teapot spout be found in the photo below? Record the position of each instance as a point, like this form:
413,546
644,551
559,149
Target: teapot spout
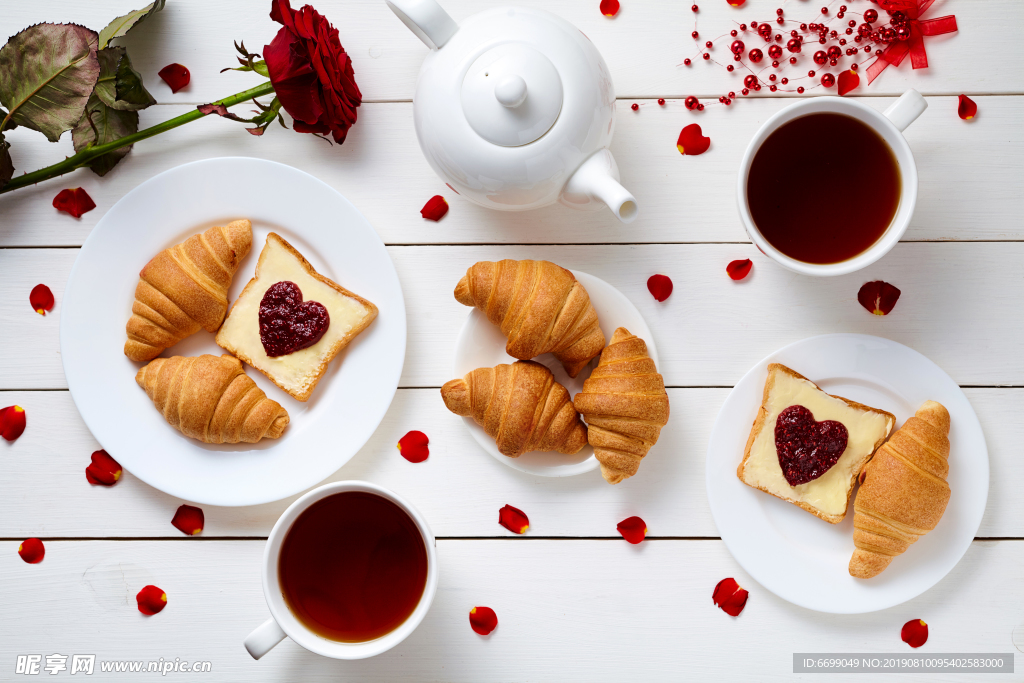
597,180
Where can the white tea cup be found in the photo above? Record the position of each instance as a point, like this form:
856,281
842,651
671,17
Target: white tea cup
889,126
283,623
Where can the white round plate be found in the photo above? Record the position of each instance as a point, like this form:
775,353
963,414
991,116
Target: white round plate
482,345
804,559
347,404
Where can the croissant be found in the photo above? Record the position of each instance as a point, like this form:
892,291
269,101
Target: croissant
520,406
184,288
210,398
625,405
903,491
540,308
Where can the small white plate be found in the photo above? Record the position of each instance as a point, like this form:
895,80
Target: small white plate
347,404
482,345
804,559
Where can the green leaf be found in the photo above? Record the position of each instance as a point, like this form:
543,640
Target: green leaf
9,125
47,73
131,94
120,26
102,124
119,85
6,163
106,84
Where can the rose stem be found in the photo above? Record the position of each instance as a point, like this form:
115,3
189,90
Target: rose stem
93,151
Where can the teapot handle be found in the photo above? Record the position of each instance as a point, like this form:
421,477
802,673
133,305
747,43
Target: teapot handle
426,19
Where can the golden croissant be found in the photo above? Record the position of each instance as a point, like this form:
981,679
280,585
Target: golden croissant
625,405
903,491
520,406
210,398
540,308
185,288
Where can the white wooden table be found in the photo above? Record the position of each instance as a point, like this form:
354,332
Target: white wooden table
575,602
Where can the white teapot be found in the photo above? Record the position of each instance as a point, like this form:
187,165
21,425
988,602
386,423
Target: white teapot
515,109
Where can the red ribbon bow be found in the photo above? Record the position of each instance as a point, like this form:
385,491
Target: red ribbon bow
914,46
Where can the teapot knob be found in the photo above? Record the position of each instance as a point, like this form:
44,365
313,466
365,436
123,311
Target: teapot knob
511,91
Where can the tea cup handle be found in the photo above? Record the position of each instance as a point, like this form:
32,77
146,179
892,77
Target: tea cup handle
906,109
263,639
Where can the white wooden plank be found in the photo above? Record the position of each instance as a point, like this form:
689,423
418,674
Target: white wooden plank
644,46
968,184
583,610
956,297
459,487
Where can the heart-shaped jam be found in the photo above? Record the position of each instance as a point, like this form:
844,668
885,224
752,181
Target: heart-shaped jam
287,323
807,449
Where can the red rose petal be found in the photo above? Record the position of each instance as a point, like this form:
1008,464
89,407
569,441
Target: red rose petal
513,519
12,422
413,446
730,597
736,3
151,600
660,287
848,80
435,208
483,620
175,75
914,633
189,520
739,269
691,141
41,299
878,297
104,470
609,8
633,529
966,109
75,202
32,550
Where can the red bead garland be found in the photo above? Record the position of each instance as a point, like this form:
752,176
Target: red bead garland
838,35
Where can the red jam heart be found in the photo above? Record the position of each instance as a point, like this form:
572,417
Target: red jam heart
807,449
289,324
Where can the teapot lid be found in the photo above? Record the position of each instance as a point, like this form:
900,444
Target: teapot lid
512,95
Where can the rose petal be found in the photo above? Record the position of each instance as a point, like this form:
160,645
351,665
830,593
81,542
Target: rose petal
691,141
75,202
878,297
967,109
32,550
739,269
848,80
730,597
12,422
513,519
633,529
189,520
151,600
914,633
104,470
609,8
435,208
660,287
41,299
413,446
175,75
483,620
737,3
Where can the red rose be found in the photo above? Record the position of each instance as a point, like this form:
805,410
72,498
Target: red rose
311,73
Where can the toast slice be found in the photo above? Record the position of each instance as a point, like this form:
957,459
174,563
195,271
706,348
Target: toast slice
299,371
827,496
